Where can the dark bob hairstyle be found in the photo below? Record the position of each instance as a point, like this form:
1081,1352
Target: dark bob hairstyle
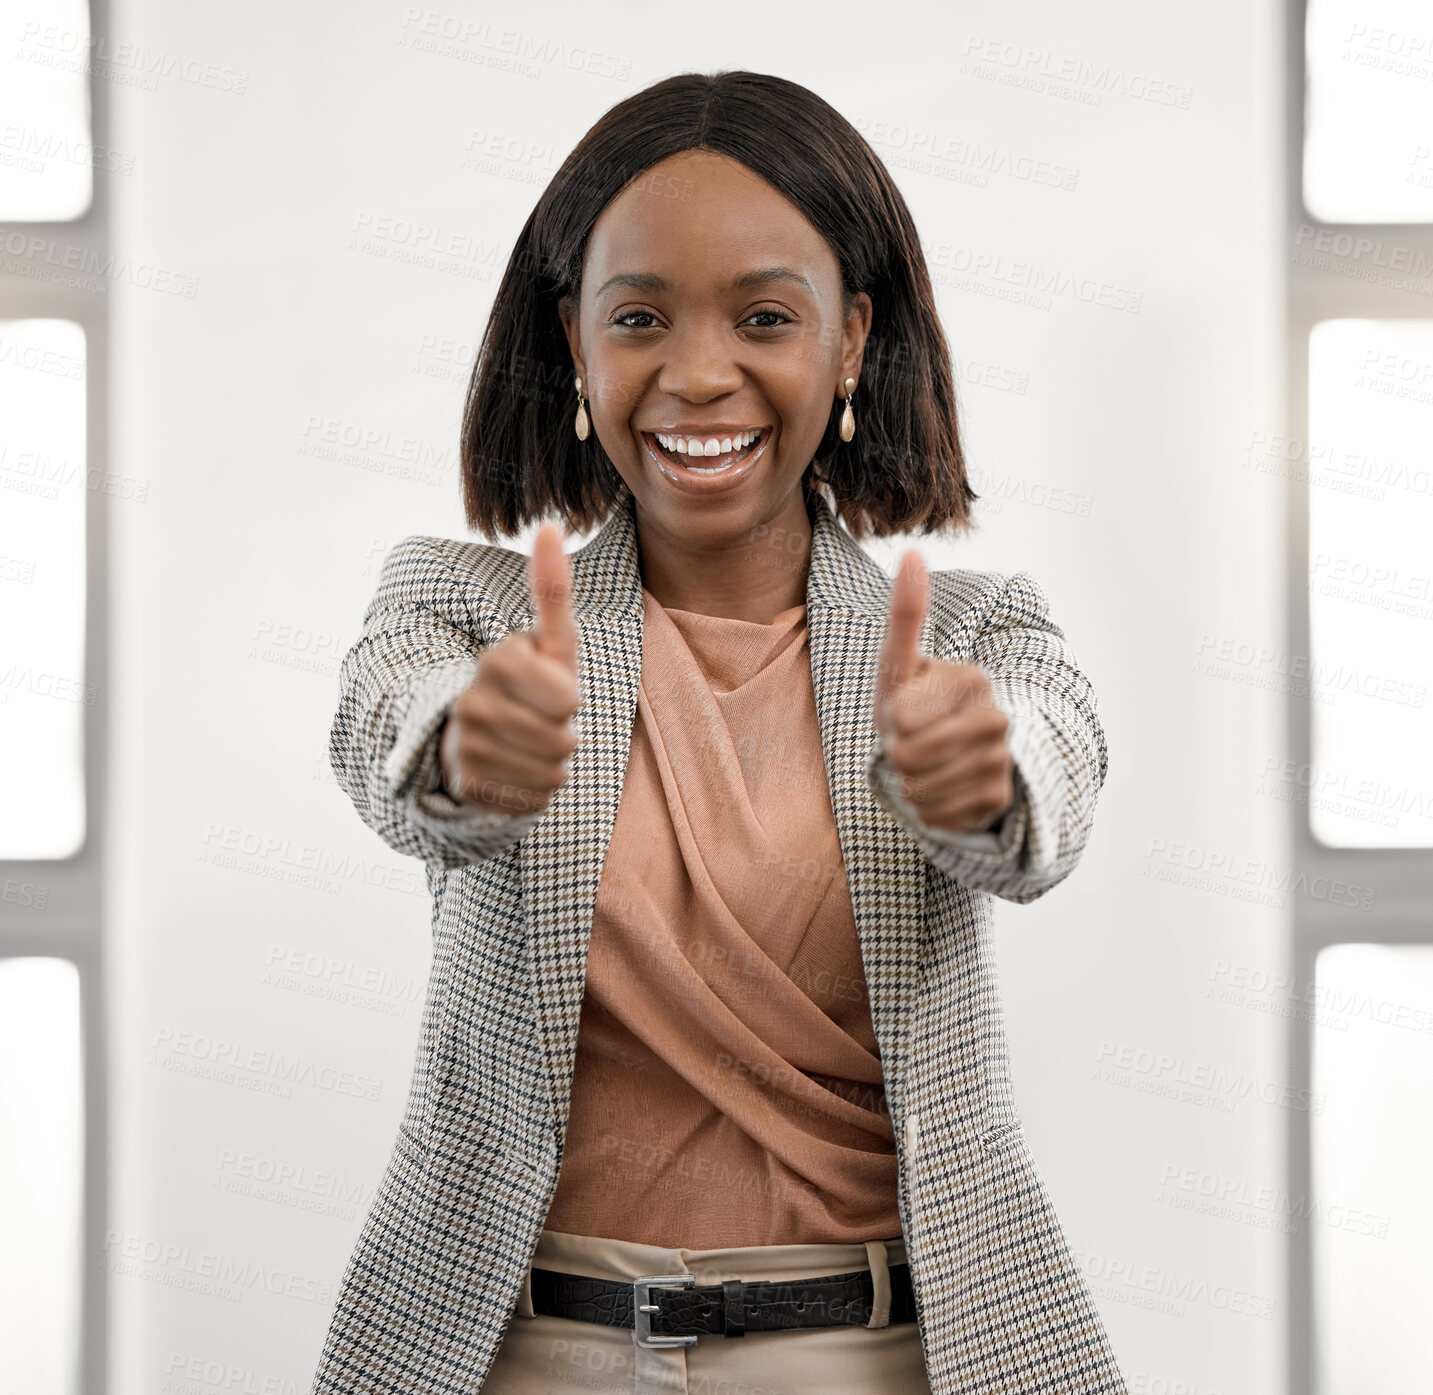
904,471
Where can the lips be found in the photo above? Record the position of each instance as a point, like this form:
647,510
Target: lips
705,464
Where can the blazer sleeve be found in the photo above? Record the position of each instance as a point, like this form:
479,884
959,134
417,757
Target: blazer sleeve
416,653
1056,742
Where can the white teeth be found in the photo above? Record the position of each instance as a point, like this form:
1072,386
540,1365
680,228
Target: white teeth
713,445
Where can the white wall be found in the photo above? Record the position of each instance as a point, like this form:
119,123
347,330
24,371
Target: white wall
241,580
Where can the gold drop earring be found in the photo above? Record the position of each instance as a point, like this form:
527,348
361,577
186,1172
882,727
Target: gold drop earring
848,417
582,424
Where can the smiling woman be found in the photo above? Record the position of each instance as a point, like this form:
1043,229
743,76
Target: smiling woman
685,275
723,336
712,1090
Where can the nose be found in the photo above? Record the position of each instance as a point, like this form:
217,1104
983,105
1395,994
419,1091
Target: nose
699,364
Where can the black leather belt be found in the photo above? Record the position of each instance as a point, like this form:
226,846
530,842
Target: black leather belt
667,1316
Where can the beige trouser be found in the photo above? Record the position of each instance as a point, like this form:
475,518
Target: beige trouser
545,1355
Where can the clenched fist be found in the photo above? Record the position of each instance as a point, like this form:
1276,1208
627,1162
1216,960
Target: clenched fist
509,733
942,732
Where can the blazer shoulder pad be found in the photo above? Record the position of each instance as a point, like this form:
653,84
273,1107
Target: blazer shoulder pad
960,598
956,590
421,568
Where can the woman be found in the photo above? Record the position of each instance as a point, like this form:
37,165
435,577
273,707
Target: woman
712,1090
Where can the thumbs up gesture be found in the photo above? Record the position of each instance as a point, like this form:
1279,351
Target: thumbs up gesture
507,738
942,732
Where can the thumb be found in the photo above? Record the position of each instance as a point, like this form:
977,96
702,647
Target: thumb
550,582
900,653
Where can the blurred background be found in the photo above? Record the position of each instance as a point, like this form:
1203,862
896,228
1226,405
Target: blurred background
1184,257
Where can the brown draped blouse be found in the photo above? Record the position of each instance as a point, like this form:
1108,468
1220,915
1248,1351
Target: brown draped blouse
727,1088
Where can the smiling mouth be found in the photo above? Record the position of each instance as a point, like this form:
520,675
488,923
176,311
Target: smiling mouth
706,464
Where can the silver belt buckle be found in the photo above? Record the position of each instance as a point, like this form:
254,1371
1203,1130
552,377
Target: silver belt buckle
643,1308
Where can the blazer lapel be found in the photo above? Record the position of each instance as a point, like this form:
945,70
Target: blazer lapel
847,598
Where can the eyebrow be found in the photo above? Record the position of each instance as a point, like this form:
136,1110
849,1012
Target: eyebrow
764,276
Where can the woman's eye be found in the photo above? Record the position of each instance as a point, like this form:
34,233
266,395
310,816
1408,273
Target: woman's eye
773,319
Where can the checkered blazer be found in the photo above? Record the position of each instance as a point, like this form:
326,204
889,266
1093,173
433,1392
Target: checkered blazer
434,1277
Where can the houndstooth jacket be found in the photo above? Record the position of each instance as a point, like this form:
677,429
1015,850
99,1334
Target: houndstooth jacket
435,1274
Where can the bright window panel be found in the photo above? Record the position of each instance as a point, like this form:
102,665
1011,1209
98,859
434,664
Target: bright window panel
1368,141
41,1175
44,694
1370,489
1372,1226
47,158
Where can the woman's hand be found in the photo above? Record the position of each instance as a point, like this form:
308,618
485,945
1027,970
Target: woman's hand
942,732
506,741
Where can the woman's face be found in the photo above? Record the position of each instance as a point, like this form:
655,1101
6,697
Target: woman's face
710,308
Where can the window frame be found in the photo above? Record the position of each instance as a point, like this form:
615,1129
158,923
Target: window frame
69,924
1402,877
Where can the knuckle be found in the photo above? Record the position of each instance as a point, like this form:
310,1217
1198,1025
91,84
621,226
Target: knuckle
497,657
901,752
474,714
468,721
472,751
